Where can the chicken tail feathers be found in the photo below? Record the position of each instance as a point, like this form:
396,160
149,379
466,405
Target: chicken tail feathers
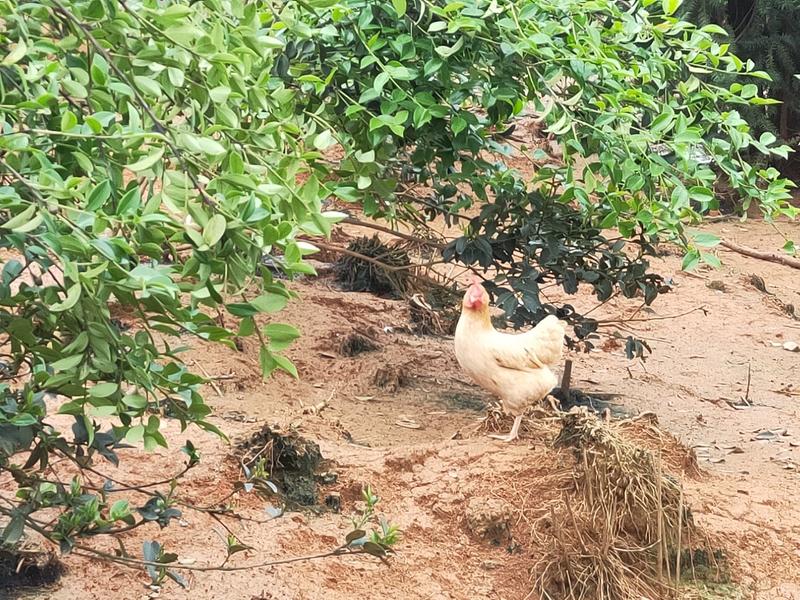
549,335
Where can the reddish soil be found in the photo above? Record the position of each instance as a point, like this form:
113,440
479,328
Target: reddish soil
718,376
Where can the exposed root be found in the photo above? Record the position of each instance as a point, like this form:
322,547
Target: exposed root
286,459
26,565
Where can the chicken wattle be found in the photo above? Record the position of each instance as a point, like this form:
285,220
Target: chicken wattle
514,367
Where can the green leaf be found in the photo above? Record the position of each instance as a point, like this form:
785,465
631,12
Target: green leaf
380,81
706,240
691,260
73,295
17,53
147,161
324,140
448,51
102,411
269,303
670,6
136,401
12,533
74,89
68,120
710,259
280,335
285,364
267,362
135,434
374,549
210,146
119,510
129,204
30,225
219,94
247,327
399,7
20,219
65,364
103,390
214,229
147,85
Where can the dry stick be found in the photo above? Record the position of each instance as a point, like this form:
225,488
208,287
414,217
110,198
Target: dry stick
659,520
644,320
400,234
574,523
787,261
211,381
566,378
747,392
375,261
678,548
561,543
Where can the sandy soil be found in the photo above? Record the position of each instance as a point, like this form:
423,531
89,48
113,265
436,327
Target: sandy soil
696,381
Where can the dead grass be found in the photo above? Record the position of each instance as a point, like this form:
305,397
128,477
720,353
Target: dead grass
616,534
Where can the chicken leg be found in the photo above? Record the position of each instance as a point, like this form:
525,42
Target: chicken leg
514,431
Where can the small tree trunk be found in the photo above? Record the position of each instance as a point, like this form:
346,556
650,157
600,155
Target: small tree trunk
783,128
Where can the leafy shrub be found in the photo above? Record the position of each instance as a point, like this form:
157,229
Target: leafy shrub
421,87
159,159
149,165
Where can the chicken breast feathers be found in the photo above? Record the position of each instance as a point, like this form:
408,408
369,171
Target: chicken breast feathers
514,367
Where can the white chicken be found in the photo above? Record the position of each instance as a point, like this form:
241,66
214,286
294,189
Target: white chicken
514,367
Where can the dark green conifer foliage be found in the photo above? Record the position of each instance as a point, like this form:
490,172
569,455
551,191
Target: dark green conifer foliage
768,33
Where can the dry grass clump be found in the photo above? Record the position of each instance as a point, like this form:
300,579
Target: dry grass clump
540,421
436,312
370,265
355,343
618,532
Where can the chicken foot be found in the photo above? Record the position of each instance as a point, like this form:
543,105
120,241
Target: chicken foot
513,435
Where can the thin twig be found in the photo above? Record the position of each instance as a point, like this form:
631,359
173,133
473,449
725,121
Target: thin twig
87,552
211,381
659,520
400,234
678,548
644,320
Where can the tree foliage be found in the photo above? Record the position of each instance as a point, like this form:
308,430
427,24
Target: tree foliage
424,88
164,158
149,165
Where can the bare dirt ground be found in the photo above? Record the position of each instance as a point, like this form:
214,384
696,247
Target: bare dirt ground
718,379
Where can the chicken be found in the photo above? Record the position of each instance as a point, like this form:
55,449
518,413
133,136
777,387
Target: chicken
514,367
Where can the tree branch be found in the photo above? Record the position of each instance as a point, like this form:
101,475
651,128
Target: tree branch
400,234
787,261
